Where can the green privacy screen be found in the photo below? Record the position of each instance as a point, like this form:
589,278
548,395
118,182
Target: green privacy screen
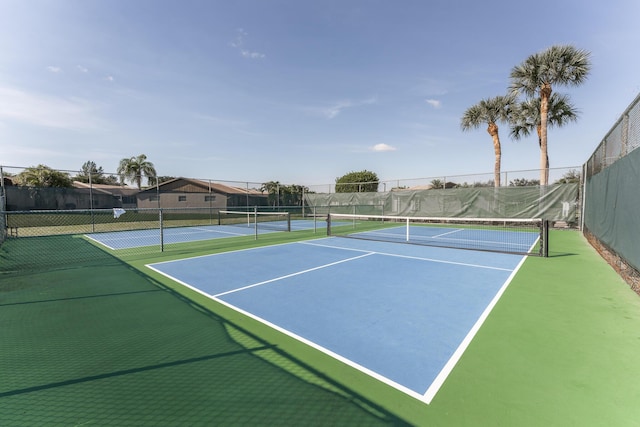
555,203
612,207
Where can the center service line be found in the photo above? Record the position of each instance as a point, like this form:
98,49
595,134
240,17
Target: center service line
291,275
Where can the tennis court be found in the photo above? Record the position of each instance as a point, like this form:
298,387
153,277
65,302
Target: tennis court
129,239
516,236
403,314
139,238
90,339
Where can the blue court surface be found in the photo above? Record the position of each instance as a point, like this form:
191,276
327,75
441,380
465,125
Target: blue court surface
403,314
149,237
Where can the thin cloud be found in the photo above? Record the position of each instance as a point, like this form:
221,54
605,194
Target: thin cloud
221,121
239,40
238,43
110,79
252,55
334,110
435,103
54,69
82,69
383,147
47,111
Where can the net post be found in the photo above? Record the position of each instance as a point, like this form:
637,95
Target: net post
288,221
407,238
328,224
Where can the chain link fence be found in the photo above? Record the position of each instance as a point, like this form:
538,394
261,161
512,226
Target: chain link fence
622,139
61,206
514,178
36,237
611,201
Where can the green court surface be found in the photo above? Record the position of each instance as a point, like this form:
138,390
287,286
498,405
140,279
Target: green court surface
90,339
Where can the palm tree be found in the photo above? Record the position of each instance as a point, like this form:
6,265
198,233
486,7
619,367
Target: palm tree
526,117
273,190
536,76
490,111
43,176
134,167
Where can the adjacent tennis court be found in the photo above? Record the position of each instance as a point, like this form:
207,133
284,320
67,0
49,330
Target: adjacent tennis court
247,226
403,314
515,235
139,238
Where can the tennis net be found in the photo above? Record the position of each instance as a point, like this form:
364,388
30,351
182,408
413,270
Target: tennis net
506,235
278,221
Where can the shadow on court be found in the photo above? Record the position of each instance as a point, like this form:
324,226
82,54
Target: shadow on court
87,339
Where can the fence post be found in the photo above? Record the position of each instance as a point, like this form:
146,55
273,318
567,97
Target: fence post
161,230
255,220
93,219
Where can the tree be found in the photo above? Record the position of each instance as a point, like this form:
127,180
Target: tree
91,170
437,183
571,176
524,182
563,65
292,194
480,184
440,184
272,188
490,111
134,168
526,117
43,176
283,195
357,182
40,179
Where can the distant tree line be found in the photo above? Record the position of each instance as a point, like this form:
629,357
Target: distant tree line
284,195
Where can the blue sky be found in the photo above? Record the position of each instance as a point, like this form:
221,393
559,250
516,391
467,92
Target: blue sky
295,91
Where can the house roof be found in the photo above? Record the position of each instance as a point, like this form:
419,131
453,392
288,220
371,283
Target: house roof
189,185
417,187
107,188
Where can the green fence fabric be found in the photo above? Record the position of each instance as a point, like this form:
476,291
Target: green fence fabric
612,207
556,203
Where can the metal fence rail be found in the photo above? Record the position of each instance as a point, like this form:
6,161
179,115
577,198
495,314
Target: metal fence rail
622,139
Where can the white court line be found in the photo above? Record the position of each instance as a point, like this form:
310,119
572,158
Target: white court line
435,385
453,360
99,242
441,261
200,230
121,235
291,334
470,243
292,274
324,350
448,232
168,236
